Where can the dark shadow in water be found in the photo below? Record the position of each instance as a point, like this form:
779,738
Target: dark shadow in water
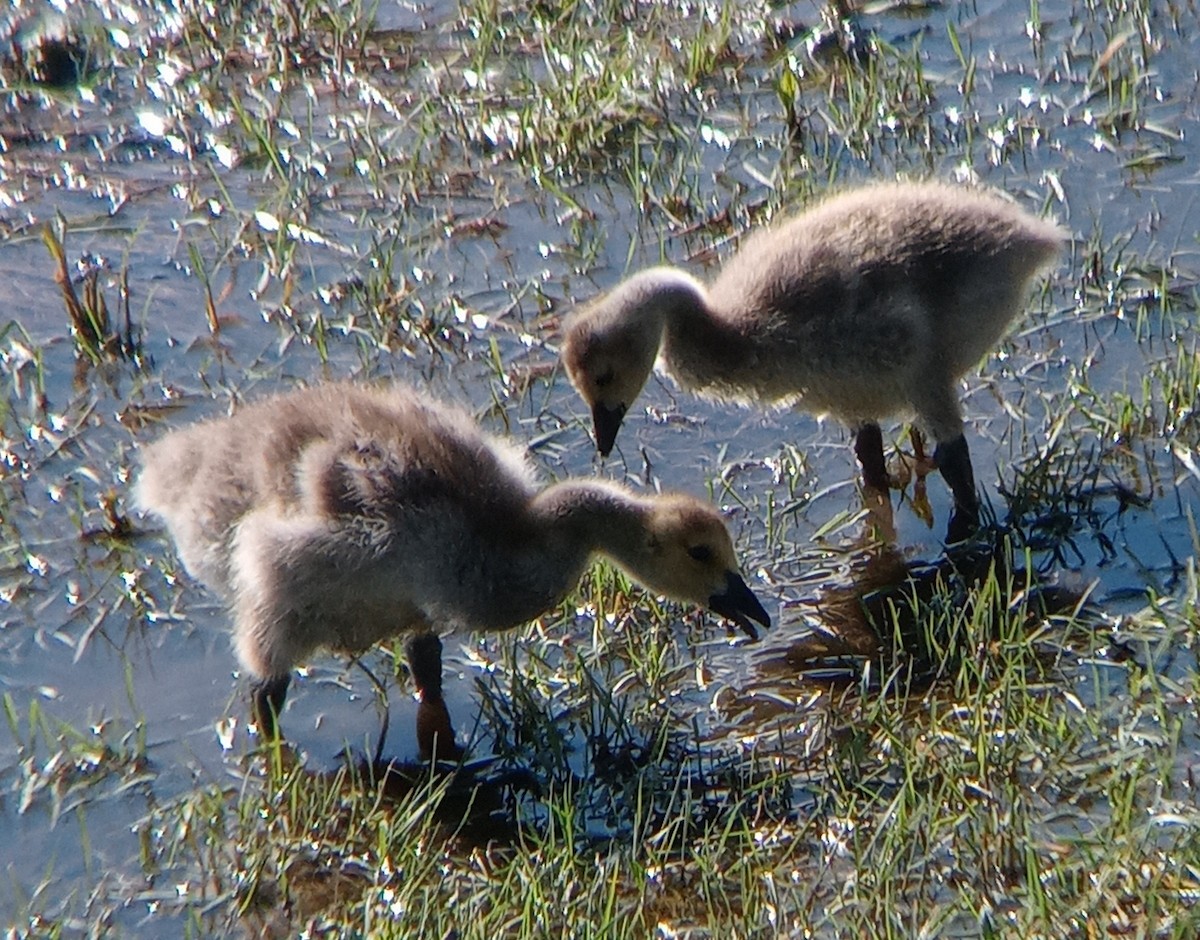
58,62
476,806
873,618
468,808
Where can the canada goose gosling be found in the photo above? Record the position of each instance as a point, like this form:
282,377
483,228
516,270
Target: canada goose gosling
339,516
872,302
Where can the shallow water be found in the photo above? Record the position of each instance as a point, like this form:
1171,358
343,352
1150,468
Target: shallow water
489,256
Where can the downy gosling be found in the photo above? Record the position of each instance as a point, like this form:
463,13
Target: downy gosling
873,302
338,516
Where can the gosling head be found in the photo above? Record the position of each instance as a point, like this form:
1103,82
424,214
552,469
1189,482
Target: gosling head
687,554
608,350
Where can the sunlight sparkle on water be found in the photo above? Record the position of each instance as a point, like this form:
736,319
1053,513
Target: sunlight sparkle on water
152,123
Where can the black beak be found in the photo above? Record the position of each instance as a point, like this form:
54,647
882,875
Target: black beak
738,603
606,422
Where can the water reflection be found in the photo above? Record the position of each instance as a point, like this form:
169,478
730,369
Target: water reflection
867,618
94,634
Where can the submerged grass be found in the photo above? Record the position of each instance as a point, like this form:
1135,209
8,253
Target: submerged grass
92,327
1037,786
973,756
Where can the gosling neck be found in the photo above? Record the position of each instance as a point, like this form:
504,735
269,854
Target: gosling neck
592,517
700,346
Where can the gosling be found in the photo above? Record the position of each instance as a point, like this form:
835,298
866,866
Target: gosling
338,516
874,302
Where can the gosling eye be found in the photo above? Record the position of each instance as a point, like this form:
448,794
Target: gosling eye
700,553
605,379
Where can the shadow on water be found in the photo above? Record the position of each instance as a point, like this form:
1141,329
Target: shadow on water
256,242
447,810
900,614
869,621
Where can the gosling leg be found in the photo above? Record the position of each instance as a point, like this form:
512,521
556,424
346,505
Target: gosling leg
435,734
269,694
868,447
953,459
